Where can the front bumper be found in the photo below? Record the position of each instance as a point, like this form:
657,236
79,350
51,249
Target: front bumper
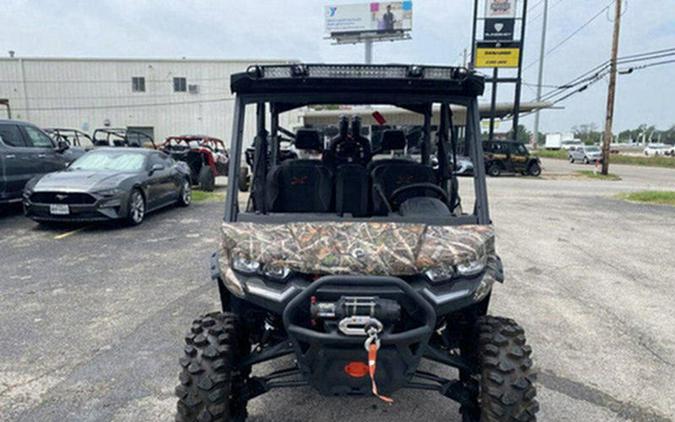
445,297
102,209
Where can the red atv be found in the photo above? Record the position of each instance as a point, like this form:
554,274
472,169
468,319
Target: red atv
206,156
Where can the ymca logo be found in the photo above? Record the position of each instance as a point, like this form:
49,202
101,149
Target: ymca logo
331,11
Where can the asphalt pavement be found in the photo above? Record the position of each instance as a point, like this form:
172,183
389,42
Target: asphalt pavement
92,317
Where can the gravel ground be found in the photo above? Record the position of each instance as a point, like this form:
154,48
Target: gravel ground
92,317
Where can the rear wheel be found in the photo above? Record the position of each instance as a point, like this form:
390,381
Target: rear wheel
136,212
507,390
494,170
207,181
571,159
209,388
243,179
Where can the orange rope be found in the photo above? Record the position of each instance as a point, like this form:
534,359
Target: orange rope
372,361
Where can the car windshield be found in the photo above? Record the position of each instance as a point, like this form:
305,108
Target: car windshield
110,161
592,149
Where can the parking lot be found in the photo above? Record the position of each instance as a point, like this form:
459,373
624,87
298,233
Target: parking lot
92,317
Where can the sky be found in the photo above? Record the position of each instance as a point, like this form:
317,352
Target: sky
293,29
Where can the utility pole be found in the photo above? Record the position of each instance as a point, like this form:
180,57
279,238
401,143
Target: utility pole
611,93
540,81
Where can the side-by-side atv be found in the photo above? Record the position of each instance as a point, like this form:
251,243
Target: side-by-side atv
357,262
206,156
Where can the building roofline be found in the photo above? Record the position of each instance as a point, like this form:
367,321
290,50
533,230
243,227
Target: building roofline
145,59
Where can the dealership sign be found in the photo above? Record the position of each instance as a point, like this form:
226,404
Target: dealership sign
498,29
368,17
504,55
500,9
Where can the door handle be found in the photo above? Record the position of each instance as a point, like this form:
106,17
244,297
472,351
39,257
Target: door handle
42,155
10,156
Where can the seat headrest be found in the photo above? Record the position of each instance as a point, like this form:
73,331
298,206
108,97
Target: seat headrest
393,139
308,139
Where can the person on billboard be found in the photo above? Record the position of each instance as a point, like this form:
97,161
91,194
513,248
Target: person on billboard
388,19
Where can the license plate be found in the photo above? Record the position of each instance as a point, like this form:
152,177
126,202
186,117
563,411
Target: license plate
59,209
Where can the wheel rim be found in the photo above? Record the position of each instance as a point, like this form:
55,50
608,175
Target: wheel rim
137,207
187,192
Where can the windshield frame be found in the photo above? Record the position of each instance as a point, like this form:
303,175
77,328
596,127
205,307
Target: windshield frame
278,103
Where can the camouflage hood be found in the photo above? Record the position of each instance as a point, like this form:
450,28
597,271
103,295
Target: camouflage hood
355,248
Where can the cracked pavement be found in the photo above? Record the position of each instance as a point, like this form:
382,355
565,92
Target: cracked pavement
91,325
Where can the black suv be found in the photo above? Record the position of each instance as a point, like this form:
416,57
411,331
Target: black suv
27,151
510,157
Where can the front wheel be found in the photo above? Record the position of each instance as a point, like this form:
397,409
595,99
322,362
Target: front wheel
209,388
534,170
507,390
136,212
586,161
207,181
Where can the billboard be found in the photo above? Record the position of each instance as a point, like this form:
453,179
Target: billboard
389,16
500,9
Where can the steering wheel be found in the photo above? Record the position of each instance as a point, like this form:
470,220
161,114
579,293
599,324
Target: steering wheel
426,187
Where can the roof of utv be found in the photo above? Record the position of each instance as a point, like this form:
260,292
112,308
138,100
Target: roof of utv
300,84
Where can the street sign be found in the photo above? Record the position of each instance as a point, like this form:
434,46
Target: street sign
499,29
497,55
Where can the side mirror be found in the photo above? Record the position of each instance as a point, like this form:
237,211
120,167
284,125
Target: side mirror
62,146
156,167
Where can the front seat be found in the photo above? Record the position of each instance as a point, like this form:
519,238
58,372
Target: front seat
302,185
392,140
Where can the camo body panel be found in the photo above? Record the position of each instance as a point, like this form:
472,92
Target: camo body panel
355,248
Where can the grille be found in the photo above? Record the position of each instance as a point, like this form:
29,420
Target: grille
62,198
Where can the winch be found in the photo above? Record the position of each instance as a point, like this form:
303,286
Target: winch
355,315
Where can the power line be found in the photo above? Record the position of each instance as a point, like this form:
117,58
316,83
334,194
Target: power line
573,34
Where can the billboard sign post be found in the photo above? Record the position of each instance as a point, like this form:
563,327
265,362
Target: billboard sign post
498,49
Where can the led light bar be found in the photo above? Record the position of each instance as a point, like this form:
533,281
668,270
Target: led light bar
299,70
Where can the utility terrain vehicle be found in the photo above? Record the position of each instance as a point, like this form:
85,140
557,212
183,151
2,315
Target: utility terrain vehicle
360,266
206,156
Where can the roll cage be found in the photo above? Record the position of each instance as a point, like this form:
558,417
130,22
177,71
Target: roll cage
122,137
73,137
281,88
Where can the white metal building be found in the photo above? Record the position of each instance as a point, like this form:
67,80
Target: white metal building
161,97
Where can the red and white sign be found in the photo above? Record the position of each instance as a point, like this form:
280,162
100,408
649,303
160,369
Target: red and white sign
500,8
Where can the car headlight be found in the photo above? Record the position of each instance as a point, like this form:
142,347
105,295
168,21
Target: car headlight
439,274
245,265
276,271
109,192
472,267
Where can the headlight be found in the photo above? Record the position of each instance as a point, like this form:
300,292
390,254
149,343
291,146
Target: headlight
109,192
276,271
439,274
474,267
245,265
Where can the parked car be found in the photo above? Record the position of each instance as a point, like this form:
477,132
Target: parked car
206,156
27,151
585,153
122,137
654,150
109,184
509,156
